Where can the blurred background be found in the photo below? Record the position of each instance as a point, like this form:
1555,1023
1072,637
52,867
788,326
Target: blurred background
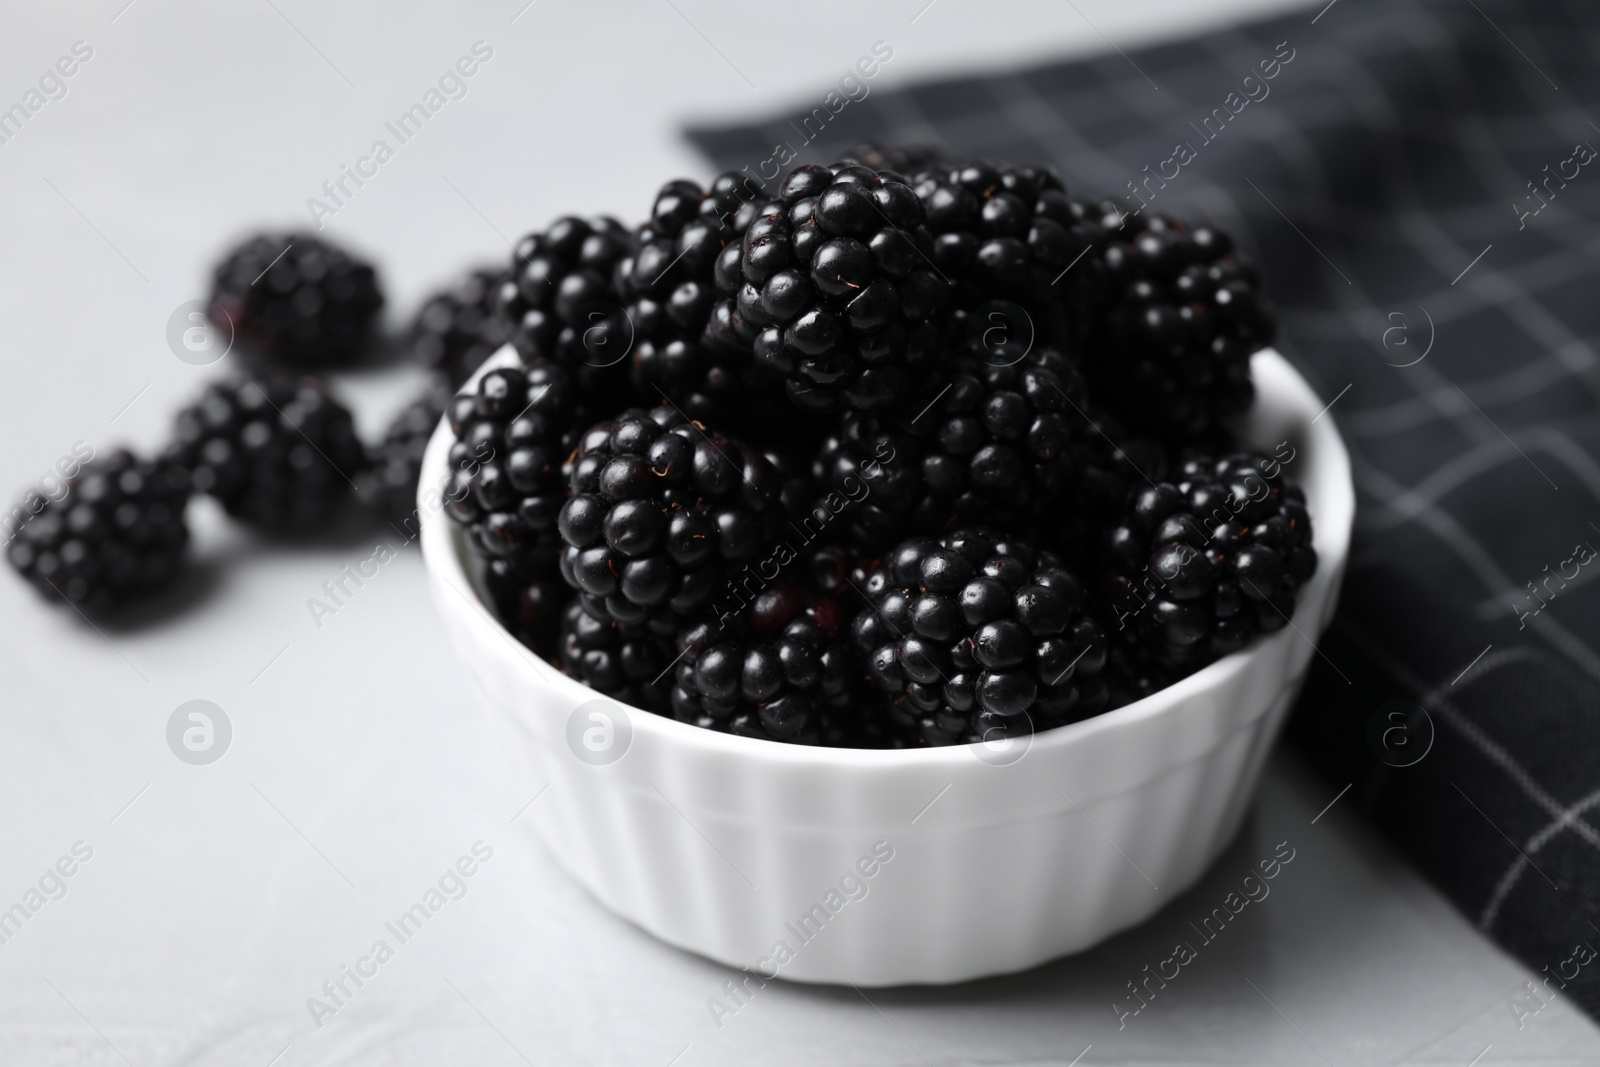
218,899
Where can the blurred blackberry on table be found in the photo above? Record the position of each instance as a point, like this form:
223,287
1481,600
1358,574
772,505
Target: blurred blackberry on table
978,636
781,669
280,454
906,159
512,433
117,534
1176,313
458,328
295,301
626,663
388,482
561,305
1202,564
833,287
660,511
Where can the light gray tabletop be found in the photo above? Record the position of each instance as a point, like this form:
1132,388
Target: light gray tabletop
215,900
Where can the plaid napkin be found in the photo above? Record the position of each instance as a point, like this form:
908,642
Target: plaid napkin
1419,181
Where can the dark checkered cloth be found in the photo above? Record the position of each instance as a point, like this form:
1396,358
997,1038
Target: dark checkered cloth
1412,181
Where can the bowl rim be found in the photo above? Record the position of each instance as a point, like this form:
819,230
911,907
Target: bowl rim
443,545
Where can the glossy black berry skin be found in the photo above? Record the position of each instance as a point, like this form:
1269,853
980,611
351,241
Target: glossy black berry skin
1202,564
834,289
295,301
1005,445
512,432
388,483
1176,314
561,305
660,510
117,533
977,636
669,286
782,670
626,663
1003,254
458,328
280,454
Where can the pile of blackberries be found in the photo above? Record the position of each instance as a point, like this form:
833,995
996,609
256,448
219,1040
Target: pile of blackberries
905,450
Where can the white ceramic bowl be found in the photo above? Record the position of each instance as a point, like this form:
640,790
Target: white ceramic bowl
892,867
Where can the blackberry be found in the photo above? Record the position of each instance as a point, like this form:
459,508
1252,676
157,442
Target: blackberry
561,305
660,510
295,300
907,159
512,433
833,287
118,533
1179,315
388,483
1006,445
783,670
622,662
1203,563
458,328
995,240
977,636
280,454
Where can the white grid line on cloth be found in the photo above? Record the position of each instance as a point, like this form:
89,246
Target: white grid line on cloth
1513,875
1444,526
1473,464
1373,103
1486,745
1414,413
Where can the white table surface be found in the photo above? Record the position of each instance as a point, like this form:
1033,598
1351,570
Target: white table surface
219,898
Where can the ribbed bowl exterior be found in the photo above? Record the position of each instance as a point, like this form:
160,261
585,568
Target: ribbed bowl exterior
922,866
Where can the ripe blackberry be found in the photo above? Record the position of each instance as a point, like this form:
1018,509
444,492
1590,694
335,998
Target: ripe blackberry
388,483
834,288
119,532
624,663
978,636
907,159
295,300
561,305
512,433
660,510
280,454
782,670
458,328
995,240
1205,562
999,444
670,290
1178,314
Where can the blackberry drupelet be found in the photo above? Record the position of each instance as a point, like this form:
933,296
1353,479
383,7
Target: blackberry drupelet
1179,315
279,454
1005,445
458,328
561,305
668,284
388,483
626,663
660,511
978,636
310,306
118,533
1204,563
833,287
907,159
512,434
